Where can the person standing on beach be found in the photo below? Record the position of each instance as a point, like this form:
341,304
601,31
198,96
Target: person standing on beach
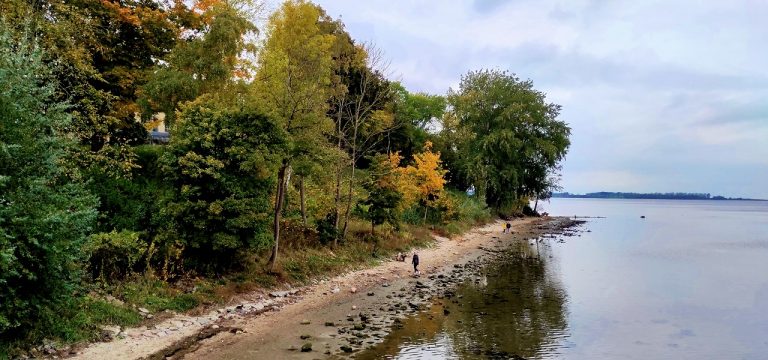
415,262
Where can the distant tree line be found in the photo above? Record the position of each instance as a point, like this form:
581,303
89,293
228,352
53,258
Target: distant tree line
631,195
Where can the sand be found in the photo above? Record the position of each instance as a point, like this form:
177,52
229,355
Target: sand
268,327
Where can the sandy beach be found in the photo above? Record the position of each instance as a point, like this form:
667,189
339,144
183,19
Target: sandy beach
336,317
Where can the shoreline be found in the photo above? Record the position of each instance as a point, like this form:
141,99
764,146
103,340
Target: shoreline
327,312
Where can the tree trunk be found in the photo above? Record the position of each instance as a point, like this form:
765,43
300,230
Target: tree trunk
425,213
536,204
349,198
337,198
279,197
303,201
351,181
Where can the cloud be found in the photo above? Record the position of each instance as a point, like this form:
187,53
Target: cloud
652,90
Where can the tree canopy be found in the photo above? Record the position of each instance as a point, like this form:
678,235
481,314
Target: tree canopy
514,139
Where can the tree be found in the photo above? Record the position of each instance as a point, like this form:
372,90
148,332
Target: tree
384,194
428,176
222,159
413,115
515,140
292,80
45,212
205,63
364,113
102,52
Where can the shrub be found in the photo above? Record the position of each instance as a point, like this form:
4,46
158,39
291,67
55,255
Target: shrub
45,215
222,162
115,254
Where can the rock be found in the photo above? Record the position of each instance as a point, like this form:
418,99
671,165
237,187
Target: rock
371,294
143,310
305,337
446,311
385,285
293,348
279,294
214,326
329,323
354,307
335,290
353,290
306,347
346,348
305,322
114,300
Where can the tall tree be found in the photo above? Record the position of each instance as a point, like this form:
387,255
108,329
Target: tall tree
102,52
415,114
45,212
365,113
515,140
293,78
206,62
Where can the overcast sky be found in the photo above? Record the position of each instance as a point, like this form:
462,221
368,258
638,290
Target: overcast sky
660,95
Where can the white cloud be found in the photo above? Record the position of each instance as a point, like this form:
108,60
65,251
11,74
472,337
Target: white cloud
659,94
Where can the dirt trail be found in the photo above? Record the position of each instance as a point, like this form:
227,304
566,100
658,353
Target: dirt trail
265,326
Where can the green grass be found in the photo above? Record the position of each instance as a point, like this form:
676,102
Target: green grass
74,320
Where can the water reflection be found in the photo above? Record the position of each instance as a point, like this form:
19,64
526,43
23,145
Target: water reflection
515,307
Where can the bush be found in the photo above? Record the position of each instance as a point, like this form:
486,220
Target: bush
45,215
222,161
326,229
115,255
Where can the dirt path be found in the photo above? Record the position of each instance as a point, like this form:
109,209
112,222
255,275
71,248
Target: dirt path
266,326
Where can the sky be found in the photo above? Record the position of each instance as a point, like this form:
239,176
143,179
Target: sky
661,96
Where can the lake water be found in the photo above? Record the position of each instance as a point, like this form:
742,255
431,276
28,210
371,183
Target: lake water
690,281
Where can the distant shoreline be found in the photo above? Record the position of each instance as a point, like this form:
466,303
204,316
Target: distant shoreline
648,196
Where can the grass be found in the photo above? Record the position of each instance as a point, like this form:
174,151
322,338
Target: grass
75,319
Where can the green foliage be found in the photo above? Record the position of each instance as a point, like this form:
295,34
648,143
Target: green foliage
115,254
326,229
413,114
204,64
514,142
102,52
221,160
384,197
45,214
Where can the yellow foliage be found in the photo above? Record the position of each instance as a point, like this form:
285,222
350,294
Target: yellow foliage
428,176
423,183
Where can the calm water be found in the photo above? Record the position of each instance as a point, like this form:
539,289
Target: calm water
690,281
